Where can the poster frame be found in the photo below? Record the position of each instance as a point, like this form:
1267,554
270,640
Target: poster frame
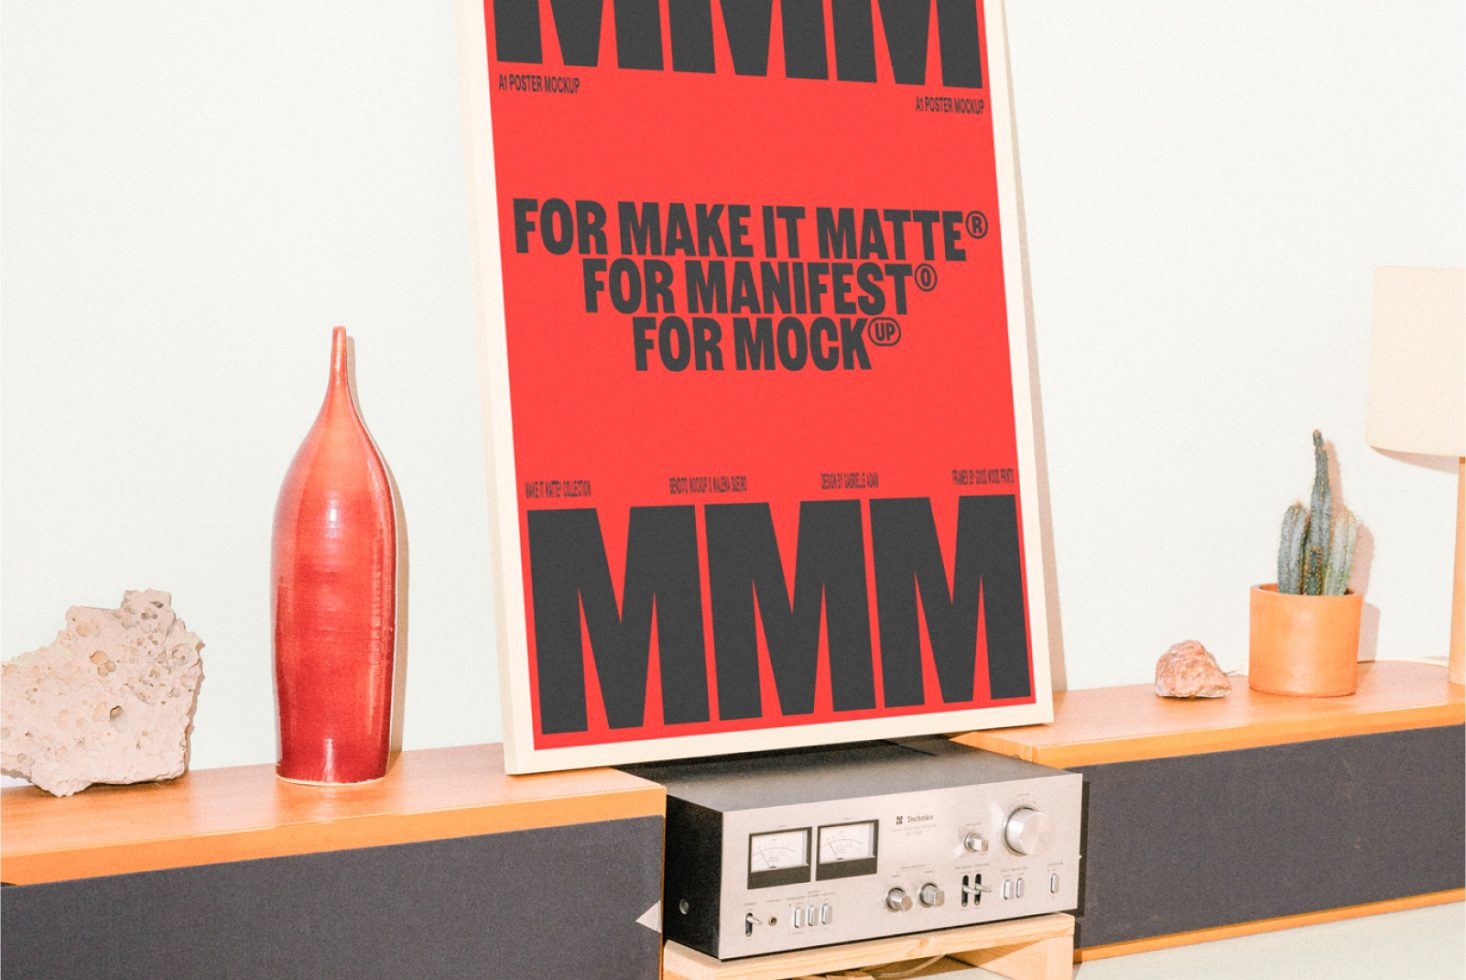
511,630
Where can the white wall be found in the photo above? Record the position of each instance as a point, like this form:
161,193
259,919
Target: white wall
194,193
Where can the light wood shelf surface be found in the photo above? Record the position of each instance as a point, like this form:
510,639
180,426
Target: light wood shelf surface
1126,724
245,812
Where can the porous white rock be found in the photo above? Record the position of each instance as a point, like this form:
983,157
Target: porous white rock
110,701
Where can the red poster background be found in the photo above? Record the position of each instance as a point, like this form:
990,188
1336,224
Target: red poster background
940,400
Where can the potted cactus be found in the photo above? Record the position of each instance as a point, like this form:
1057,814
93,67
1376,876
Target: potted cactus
1304,638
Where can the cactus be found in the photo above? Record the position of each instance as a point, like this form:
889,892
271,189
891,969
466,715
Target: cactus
1313,568
1290,551
1316,553
1341,554
1320,512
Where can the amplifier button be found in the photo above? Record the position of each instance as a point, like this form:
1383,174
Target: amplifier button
1018,888
799,917
1054,883
813,919
825,914
1007,887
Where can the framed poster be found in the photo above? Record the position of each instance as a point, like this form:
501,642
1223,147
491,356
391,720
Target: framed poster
755,360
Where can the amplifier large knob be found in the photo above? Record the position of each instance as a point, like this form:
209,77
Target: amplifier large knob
898,901
1028,831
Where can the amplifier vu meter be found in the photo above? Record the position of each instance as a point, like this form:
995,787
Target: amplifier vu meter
782,851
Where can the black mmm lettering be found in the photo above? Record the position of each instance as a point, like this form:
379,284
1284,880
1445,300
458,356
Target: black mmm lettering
986,573
747,28
744,566
747,589
569,573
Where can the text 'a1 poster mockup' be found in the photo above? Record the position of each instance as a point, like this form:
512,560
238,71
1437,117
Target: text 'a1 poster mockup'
756,369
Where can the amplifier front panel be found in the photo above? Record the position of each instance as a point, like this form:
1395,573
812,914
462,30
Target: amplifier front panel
820,873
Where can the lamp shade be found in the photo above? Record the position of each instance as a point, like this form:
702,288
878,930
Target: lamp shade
1417,364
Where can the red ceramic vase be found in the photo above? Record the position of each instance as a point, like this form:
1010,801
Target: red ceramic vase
334,566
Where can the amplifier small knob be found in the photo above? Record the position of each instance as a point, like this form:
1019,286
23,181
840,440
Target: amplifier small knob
898,901
931,895
975,842
1028,831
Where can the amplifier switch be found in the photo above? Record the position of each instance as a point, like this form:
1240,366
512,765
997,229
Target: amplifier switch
974,890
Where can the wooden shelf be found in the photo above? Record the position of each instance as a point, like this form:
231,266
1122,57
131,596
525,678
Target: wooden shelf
1036,948
242,813
1126,724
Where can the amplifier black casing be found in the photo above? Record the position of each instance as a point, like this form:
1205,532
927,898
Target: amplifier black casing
694,840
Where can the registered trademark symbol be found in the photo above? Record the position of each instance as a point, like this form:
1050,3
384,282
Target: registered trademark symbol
926,277
977,224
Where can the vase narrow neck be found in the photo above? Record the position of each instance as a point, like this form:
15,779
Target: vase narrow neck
338,388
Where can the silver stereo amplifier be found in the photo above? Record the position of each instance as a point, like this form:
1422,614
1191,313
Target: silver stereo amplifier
781,851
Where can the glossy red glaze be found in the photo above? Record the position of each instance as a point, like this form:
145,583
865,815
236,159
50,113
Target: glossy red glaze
334,566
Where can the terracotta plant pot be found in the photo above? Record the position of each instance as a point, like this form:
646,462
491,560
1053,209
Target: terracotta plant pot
1304,645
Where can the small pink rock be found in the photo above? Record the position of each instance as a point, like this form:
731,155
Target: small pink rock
1188,670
